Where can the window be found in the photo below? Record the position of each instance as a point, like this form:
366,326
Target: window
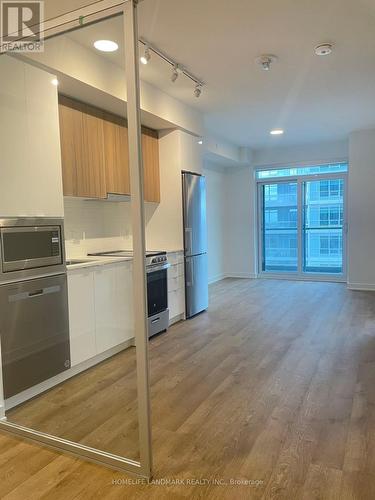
298,171
302,221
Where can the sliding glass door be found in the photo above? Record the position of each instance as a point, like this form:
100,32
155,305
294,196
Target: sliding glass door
323,226
280,225
302,224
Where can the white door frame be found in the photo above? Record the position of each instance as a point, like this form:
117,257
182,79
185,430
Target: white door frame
59,25
300,274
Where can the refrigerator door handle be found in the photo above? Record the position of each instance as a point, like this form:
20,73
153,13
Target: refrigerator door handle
189,272
189,240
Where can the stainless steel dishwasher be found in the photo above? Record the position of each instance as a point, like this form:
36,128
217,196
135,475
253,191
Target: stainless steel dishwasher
34,317
34,332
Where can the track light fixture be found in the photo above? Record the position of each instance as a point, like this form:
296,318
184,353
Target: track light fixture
146,56
198,90
177,69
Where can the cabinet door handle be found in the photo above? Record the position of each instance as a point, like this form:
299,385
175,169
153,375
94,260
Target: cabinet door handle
36,293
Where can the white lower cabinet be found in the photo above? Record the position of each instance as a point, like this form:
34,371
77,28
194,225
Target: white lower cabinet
176,287
81,315
113,305
100,309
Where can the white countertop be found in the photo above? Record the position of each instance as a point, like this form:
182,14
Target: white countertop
92,261
95,261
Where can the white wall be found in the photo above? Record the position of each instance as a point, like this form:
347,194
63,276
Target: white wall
240,223
164,226
361,210
96,226
321,152
230,221
216,220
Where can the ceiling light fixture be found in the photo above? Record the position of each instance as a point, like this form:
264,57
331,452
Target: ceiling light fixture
146,56
175,72
106,45
177,69
277,131
198,90
200,141
265,61
324,49
55,82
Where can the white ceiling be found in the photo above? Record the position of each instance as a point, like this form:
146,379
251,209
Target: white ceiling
312,98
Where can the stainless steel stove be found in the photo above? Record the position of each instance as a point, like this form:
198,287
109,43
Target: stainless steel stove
157,287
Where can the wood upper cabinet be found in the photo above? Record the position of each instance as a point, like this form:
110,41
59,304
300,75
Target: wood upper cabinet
150,151
91,177
95,153
116,155
71,132
82,149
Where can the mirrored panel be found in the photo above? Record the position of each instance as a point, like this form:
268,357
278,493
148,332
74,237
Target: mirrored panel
66,290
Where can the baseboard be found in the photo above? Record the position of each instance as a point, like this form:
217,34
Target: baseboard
241,275
361,286
224,276
216,278
176,319
62,377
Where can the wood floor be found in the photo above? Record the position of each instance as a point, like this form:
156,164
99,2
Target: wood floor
275,385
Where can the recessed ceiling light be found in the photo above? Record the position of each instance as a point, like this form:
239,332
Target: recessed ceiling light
277,131
324,49
55,82
106,45
200,141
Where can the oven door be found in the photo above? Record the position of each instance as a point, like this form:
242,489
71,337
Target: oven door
30,247
157,290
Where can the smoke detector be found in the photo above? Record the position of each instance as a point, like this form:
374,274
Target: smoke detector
324,49
265,61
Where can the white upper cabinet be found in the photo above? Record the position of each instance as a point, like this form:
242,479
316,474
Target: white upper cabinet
30,163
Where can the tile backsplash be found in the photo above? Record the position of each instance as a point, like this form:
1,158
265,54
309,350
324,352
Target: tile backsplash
94,226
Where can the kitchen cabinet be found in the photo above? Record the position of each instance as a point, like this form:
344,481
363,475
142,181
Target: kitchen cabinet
81,315
95,153
82,149
150,151
116,155
91,173
31,181
113,305
176,287
100,309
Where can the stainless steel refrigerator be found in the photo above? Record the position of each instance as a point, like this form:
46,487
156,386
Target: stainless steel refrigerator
195,243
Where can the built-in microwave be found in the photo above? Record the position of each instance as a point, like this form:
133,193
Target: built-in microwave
31,248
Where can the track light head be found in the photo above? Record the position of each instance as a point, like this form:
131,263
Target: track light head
146,56
175,73
198,90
